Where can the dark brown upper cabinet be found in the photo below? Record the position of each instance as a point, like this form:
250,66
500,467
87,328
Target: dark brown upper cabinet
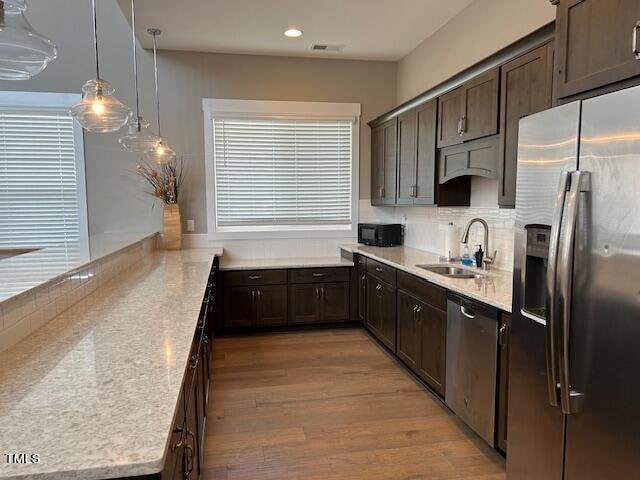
596,44
417,155
479,158
384,142
469,111
526,89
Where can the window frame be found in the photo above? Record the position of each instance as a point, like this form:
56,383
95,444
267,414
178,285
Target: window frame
230,108
57,102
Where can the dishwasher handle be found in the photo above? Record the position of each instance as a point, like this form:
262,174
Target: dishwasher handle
472,308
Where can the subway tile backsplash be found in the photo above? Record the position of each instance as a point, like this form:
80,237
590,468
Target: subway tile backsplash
24,314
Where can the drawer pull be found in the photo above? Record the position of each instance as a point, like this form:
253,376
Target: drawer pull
319,275
379,269
255,277
634,47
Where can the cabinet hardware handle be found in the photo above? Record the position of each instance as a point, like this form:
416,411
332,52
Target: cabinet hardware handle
178,429
253,296
364,281
634,46
193,362
466,313
319,275
379,290
460,126
259,295
317,293
378,269
190,452
502,335
255,277
322,292
382,192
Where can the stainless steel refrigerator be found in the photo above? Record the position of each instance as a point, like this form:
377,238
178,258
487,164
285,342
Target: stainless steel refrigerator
574,402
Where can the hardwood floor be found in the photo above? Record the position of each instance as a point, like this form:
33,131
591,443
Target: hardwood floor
330,405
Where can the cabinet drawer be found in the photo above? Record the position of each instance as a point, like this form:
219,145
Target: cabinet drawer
382,271
319,275
255,277
423,290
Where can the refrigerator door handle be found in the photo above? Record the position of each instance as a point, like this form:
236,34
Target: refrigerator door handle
551,329
580,183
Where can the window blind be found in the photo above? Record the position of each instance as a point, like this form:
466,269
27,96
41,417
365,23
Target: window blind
39,204
282,173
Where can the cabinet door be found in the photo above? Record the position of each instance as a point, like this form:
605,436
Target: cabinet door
594,44
433,340
424,192
239,307
373,304
304,304
526,89
362,295
387,307
503,380
272,305
408,330
192,445
480,117
383,163
450,113
335,302
407,151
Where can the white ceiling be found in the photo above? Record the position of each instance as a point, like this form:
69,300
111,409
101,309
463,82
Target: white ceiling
369,29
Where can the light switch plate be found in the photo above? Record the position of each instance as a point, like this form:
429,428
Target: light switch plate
191,225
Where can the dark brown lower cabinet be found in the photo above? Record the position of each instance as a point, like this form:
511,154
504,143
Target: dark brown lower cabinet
503,380
362,295
408,330
381,310
318,303
433,341
271,305
422,323
260,306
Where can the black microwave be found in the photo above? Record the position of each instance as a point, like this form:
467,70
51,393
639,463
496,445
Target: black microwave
380,234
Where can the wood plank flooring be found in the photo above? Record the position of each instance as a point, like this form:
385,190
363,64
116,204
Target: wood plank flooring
330,405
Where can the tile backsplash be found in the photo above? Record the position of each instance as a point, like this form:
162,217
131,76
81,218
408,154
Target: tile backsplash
25,313
425,227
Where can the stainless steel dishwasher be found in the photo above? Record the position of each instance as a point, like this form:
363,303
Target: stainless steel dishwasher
471,368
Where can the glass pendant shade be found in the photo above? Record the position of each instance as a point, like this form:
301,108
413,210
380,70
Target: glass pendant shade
139,139
100,111
23,52
161,153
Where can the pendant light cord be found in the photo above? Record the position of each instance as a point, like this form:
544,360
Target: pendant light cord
135,62
155,33
95,37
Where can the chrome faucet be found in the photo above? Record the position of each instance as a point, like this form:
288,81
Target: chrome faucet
487,260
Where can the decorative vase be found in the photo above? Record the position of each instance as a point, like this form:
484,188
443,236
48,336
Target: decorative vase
172,227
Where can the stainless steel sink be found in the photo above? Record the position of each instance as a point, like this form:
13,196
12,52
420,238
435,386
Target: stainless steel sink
452,271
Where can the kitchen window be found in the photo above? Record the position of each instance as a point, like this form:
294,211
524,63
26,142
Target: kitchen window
42,184
281,169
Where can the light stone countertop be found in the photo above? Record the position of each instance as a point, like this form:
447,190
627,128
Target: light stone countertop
94,391
495,289
21,273
293,262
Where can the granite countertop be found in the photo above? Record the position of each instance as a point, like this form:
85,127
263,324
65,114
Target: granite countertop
495,289
293,262
94,391
21,273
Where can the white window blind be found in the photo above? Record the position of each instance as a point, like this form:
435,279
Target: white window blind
39,198
282,173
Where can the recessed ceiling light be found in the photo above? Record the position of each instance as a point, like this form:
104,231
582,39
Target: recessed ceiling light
293,32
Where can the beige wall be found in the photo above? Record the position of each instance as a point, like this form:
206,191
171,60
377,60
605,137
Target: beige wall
187,77
481,29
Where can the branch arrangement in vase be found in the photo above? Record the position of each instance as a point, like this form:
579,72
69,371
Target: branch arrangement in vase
165,179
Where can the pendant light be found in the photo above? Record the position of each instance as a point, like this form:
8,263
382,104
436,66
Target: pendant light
24,53
138,138
99,111
162,152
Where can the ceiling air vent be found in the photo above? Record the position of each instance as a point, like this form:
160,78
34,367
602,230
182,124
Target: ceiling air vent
322,47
